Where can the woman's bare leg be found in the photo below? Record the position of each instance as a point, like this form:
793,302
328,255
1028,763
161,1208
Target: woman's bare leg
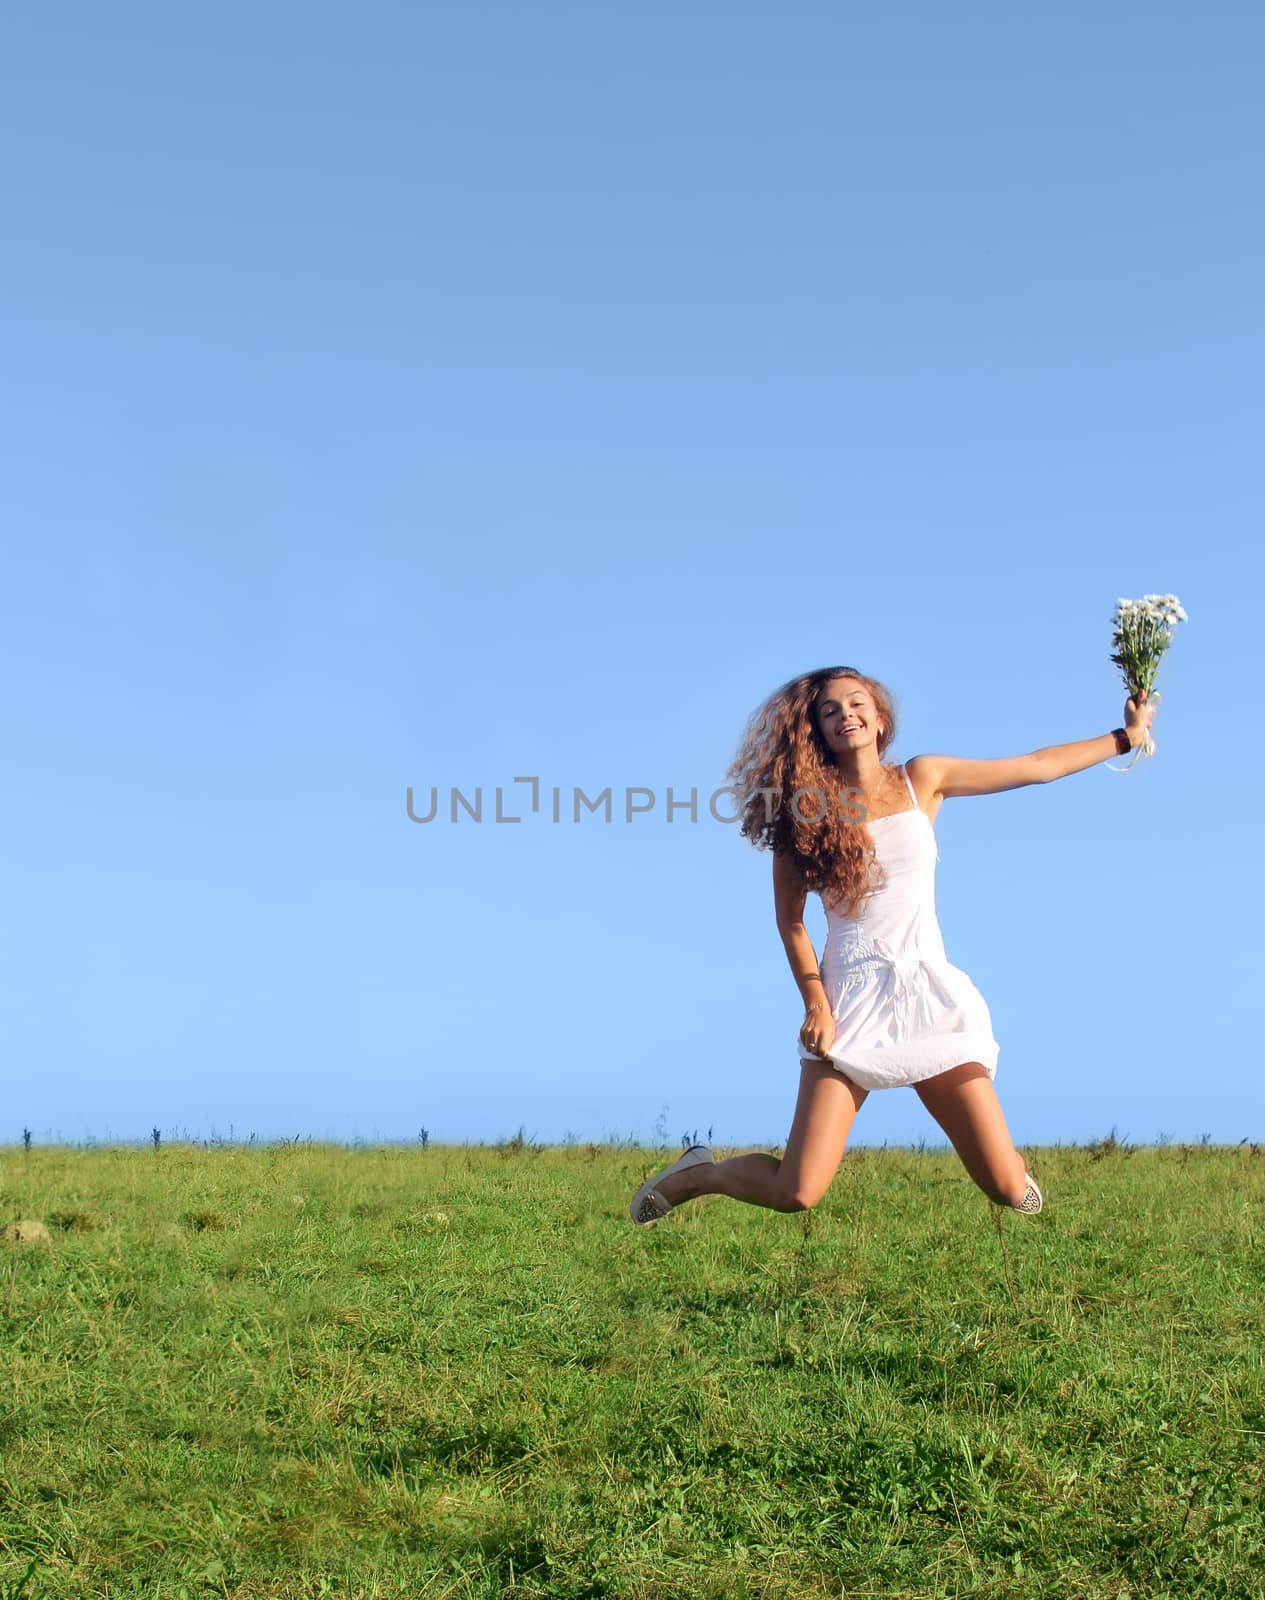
964,1103
824,1114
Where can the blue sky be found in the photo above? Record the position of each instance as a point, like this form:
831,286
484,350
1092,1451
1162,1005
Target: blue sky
409,395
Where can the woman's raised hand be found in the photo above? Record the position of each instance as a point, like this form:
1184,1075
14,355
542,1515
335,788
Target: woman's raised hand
818,1031
1137,714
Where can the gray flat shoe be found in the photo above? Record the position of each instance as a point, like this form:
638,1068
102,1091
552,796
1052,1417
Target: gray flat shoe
648,1205
1032,1201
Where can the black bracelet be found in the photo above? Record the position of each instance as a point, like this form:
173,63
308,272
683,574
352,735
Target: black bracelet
1123,746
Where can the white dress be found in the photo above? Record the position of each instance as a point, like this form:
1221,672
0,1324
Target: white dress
902,1012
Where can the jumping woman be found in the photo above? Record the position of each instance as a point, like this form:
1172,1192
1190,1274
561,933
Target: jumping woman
883,1006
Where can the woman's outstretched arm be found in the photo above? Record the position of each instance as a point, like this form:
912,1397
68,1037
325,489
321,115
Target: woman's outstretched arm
953,776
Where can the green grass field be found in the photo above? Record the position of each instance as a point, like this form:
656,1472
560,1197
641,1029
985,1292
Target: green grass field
299,1370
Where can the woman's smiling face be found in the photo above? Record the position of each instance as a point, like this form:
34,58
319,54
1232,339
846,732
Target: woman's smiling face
847,715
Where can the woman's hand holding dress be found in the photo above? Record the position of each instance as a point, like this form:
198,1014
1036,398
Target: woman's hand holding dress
818,1031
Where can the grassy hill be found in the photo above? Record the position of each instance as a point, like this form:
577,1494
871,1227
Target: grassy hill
302,1370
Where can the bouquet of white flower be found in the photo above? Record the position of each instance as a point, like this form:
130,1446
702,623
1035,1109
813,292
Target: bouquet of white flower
1143,632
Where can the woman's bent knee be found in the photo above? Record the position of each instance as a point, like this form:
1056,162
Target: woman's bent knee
799,1184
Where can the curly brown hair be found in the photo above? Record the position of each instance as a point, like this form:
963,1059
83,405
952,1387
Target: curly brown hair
784,772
